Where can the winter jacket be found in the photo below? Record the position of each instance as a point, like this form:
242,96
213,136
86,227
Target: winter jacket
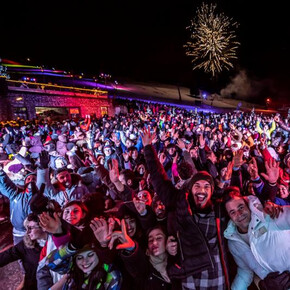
60,261
29,258
75,192
269,248
19,201
194,252
145,275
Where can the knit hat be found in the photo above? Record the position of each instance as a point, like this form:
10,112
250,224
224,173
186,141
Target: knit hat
59,170
201,175
70,145
30,173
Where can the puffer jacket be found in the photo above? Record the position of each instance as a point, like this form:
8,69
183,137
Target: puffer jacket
269,248
19,201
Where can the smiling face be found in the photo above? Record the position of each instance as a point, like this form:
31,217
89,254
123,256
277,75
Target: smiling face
87,261
201,192
239,213
29,179
73,214
64,178
156,242
131,226
283,191
145,196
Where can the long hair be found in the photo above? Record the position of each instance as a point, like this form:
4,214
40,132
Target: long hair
85,211
77,278
26,239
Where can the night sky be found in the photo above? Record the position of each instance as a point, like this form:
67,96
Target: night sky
143,40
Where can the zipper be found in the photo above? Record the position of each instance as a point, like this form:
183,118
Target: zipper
211,261
180,248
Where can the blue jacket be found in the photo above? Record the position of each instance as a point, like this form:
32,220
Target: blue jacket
19,201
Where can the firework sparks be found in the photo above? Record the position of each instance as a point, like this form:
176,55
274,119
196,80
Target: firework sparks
212,44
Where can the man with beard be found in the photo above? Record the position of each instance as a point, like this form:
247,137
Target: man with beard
68,186
198,226
19,202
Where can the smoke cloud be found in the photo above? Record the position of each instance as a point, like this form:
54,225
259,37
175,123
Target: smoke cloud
241,87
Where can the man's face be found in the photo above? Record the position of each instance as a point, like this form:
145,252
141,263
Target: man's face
193,152
283,191
64,178
29,180
202,192
159,209
239,213
131,226
107,151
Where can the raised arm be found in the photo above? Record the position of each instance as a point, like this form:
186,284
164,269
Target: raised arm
161,184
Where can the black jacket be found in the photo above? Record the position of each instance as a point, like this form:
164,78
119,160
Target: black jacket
29,258
146,277
194,252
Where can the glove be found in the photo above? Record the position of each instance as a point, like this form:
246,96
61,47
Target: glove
44,159
38,202
78,238
275,280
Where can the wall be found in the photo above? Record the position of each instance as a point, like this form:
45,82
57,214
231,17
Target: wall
88,104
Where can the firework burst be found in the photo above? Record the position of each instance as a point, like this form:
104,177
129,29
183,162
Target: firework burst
212,44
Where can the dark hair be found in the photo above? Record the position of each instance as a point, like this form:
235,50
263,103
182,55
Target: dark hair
32,217
184,170
129,174
157,226
231,193
82,205
97,275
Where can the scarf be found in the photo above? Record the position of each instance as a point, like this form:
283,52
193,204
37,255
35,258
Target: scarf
159,263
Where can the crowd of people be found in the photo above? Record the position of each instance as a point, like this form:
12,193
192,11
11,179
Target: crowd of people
157,198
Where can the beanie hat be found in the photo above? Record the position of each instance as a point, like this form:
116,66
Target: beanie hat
30,173
202,175
70,145
59,170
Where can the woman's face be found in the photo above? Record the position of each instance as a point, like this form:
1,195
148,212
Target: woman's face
34,231
73,214
156,242
87,261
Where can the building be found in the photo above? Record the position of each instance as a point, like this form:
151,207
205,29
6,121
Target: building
32,92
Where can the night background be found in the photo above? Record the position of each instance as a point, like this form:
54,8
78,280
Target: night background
143,41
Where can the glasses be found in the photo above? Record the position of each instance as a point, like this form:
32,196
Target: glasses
32,228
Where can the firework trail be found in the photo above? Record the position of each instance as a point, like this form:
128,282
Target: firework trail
212,44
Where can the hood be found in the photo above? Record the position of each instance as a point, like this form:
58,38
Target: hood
257,215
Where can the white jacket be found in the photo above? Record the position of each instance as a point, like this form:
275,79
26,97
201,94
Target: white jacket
269,249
